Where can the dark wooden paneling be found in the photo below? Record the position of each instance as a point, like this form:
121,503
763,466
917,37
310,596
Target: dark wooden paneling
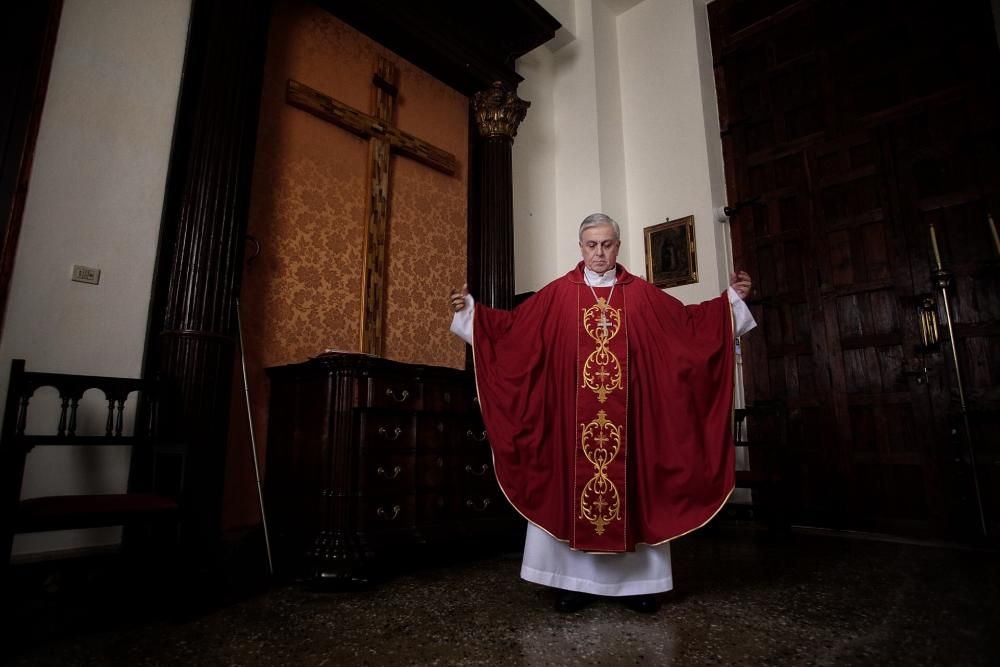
855,126
192,326
468,45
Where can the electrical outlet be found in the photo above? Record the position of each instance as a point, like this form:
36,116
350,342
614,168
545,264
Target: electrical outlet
86,274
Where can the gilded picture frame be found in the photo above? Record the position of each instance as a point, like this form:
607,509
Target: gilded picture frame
671,253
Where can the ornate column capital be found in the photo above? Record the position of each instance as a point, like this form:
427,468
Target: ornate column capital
499,111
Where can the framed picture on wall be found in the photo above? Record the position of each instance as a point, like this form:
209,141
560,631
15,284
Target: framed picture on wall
671,257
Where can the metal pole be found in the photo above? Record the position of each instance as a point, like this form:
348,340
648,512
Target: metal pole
253,440
941,279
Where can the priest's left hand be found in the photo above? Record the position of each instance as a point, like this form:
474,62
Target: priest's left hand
741,283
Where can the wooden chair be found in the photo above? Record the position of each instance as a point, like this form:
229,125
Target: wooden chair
762,429
148,509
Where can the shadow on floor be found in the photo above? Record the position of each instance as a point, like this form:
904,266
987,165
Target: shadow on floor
740,599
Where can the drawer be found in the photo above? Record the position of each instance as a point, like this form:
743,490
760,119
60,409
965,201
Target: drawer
483,504
472,433
386,429
386,514
432,509
433,471
475,454
386,471
433,429
393,391
475,472
445,397
437,432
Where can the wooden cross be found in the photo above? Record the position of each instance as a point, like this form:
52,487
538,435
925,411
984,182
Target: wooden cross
383,137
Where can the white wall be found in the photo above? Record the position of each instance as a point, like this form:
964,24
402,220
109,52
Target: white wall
667,117
535,230
95,198
578,186
610,128
569,158
635,135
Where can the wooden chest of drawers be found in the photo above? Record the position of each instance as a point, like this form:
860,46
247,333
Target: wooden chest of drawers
369,458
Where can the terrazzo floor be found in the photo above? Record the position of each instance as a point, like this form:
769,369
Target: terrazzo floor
740,599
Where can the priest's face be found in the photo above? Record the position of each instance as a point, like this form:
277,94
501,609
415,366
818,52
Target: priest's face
599,248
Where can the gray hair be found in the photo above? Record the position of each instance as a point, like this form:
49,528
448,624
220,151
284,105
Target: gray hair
596,220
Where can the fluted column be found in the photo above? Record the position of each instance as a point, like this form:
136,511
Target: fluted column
498,113
201,249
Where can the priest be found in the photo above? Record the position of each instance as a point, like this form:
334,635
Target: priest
608,406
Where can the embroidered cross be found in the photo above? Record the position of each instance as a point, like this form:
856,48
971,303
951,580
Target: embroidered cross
604,325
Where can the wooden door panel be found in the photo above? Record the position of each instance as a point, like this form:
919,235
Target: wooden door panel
850,128
867,335
949,184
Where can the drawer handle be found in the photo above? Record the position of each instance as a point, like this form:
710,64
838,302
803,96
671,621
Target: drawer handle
395,472
482,469
472,436
472,505
382,514
403,395
384,432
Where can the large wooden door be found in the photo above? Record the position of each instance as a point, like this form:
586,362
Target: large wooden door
848,128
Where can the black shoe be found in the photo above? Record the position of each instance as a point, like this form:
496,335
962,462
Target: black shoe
568,602
644,604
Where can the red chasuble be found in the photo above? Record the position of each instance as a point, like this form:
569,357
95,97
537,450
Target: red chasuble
609,410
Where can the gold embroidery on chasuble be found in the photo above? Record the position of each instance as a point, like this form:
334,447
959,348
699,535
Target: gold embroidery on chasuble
601,411
602,371
600,502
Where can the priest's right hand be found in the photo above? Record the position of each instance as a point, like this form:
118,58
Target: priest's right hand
457,298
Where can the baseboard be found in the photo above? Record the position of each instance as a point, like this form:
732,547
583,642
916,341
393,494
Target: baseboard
75,553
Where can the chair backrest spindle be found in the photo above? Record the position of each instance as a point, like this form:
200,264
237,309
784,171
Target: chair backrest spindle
61,429
73,405
109,425
120,419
